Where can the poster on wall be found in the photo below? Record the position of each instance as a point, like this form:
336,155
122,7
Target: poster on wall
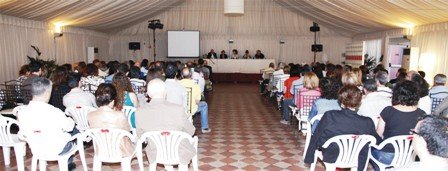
353,54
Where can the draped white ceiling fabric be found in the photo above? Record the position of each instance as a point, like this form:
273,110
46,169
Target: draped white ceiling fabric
102,15
17,36
364,16
262,26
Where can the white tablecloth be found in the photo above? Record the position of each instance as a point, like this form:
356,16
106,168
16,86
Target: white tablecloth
248,66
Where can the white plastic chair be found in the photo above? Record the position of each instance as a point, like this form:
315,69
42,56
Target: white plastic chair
35,140
106,144
404,153
8,140
309,132
349,148
167,144
128,111
16,110
79,115
305,105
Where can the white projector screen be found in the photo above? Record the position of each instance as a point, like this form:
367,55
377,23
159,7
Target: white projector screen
183,44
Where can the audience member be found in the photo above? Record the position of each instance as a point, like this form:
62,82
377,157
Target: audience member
136,82
439,89
24,72
373,102
144,67
103,71
288,97
350,78
358,74
125,94
90,80
153,74
160,115
266,76
80,67
50,122
60,87
279,70
310,88
175,92
327,101
398,119
423,91
430,143
381,81
76,96
341,122
106,117
121,68
197,104
35,71
400,76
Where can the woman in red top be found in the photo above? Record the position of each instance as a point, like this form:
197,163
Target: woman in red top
288,98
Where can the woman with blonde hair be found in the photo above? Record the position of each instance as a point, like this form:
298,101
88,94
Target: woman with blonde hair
310,88
350,78
358,73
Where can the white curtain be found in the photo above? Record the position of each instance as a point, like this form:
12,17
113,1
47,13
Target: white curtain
373,48
17,36
361,16
432,41
262,26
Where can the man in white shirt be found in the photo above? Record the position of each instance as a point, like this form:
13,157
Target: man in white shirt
175,92
430,143
76,96
373,102
381,80
49,125
439,90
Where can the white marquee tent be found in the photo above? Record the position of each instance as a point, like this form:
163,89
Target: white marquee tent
111,25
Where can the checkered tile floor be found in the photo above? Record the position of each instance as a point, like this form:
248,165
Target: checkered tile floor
246,135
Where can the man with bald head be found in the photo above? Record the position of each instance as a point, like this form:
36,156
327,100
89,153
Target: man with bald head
159,115
195,96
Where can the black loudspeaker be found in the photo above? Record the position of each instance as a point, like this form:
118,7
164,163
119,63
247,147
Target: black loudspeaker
406,51
317,48
134,45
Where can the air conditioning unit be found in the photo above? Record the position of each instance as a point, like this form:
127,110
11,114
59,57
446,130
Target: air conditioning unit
92,54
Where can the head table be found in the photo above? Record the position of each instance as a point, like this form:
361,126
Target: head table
238,70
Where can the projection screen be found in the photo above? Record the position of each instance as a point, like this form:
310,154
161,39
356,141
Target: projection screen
183,44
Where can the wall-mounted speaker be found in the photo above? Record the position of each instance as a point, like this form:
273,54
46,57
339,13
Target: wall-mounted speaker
317,48
134,45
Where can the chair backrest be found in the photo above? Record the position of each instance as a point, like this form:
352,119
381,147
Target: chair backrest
107,142
189,100
2,98
26,93
349,148
436,99
167,144
404,152
296,89
16,110
79,115
128,111
140,89
306,100
89,87
5,128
